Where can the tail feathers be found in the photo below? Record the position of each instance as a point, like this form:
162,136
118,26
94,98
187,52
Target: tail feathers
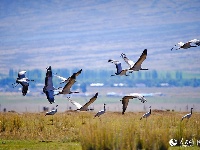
182,118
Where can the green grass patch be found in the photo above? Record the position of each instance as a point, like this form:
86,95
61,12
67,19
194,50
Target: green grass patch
38,145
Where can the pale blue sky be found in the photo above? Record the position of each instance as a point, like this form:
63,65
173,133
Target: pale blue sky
85,33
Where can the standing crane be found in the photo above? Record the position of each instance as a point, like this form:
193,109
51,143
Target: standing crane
85,106
135,66
125,100
146,115
52,112
101,112
187,115
23,80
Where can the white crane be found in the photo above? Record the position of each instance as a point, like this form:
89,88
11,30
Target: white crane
52,112
65,80
23,80
146,115
125,100
49,88
120,71
187,115
84,107
189,44
101,112
135,66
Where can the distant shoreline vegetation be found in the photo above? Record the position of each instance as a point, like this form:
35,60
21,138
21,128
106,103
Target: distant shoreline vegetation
151,78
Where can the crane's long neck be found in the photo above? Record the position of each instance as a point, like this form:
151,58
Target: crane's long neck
104,107
56,108
150,111
191,110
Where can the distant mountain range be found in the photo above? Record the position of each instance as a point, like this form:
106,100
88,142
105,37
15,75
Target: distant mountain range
85,34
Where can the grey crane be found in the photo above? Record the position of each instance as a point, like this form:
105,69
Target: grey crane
23,80
146,115
189,44
101,112
187,115
52,112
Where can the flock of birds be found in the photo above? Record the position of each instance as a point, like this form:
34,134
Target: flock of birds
51,91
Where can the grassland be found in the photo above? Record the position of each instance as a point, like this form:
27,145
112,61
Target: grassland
80,130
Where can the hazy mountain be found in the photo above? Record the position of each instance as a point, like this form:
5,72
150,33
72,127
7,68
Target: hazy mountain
86,33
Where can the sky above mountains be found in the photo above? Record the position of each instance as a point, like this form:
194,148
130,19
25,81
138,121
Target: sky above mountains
86,33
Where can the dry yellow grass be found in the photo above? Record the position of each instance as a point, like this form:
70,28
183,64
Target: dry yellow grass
112,131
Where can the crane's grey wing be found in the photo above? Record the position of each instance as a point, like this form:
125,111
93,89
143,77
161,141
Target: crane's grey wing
125,101
48,88
140,60
50,95
117,64
69,85
85,107
119,68
74,75
49,80
130,96
49,83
